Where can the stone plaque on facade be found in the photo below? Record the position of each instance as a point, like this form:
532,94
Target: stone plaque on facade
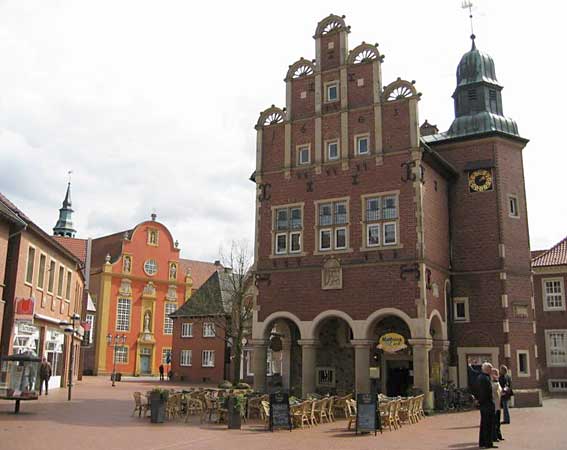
332,275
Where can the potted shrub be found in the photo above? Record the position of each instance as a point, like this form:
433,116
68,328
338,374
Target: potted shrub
158,400
236,408
225,384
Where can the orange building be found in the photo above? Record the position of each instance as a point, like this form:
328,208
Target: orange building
137,280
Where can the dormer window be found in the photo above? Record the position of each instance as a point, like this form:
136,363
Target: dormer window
332,92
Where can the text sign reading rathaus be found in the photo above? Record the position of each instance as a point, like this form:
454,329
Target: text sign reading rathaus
391,342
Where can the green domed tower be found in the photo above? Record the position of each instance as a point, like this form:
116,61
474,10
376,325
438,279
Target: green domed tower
478,97
64,226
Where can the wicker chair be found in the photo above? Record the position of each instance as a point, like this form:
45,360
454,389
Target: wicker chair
404,410
420,411
331,409
351,412
173,406
140,405
193,406
265,413
384,409
340,405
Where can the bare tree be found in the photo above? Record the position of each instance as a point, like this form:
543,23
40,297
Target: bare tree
226,301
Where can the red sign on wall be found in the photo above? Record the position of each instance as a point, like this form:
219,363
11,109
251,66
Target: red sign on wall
24,308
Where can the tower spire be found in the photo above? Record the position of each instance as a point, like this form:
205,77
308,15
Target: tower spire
467,4
64,225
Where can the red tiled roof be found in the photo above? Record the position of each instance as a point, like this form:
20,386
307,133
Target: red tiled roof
536,253
76,246
200,270
555,256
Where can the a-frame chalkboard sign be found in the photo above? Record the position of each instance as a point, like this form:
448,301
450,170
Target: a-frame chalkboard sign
367,414
280,416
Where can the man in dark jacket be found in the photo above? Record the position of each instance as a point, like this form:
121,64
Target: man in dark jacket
487,411
44,374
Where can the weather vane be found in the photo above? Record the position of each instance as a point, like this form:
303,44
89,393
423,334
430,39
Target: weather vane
69,172
467,4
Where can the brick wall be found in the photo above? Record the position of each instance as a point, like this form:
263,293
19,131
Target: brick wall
196,373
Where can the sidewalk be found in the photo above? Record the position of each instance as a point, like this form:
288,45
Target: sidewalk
99,417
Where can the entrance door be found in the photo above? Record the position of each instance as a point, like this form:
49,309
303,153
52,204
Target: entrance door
399,378
145,364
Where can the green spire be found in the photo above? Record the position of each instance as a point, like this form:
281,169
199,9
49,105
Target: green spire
64,226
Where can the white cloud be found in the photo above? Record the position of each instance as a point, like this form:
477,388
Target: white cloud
152,104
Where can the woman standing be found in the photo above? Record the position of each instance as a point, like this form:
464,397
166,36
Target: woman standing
506,384
497,396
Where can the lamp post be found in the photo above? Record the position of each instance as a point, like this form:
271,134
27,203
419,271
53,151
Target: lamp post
115,341
70,330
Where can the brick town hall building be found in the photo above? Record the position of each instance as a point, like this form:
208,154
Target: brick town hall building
374,234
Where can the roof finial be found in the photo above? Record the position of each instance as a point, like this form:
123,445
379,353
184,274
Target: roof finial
467,4
69,172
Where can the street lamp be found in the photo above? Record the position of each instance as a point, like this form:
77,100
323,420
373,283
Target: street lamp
70,330
118,340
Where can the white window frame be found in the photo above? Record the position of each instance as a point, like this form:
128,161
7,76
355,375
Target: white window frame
373,225
186,358
384,224
211,359
548,348
90,319
357,139
121,354
184,327
328,86
328,149
30,270
209,326
326,230
525,374
164,352
291,234
41,273
557,380
291,228
336,246
277,249
514,211
149,265
68,285
546,306
121,316
303,148
168,321
60,280
51,276
463,301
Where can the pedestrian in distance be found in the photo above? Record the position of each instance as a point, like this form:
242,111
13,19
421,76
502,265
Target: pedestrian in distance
161,377
497,396
44,374
507,392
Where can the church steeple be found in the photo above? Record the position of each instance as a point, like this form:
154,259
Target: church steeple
64,226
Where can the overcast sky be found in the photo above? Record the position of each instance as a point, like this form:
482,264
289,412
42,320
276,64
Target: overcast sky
152,104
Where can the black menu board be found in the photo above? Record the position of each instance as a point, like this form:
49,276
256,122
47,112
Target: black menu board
279,411
367,415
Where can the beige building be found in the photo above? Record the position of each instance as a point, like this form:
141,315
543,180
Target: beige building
43,273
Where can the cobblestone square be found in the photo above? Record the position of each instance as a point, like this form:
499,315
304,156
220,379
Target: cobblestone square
99,417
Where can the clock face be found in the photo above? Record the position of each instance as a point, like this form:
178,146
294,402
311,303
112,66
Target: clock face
480,180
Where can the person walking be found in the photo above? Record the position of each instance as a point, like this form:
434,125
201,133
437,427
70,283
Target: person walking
487,408
44,374
497,396
161,378
506,383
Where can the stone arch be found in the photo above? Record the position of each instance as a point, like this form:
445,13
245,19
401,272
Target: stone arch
284,315
271,116
440,327
364,53
331,314
329,24
301,68
385,312
399,90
